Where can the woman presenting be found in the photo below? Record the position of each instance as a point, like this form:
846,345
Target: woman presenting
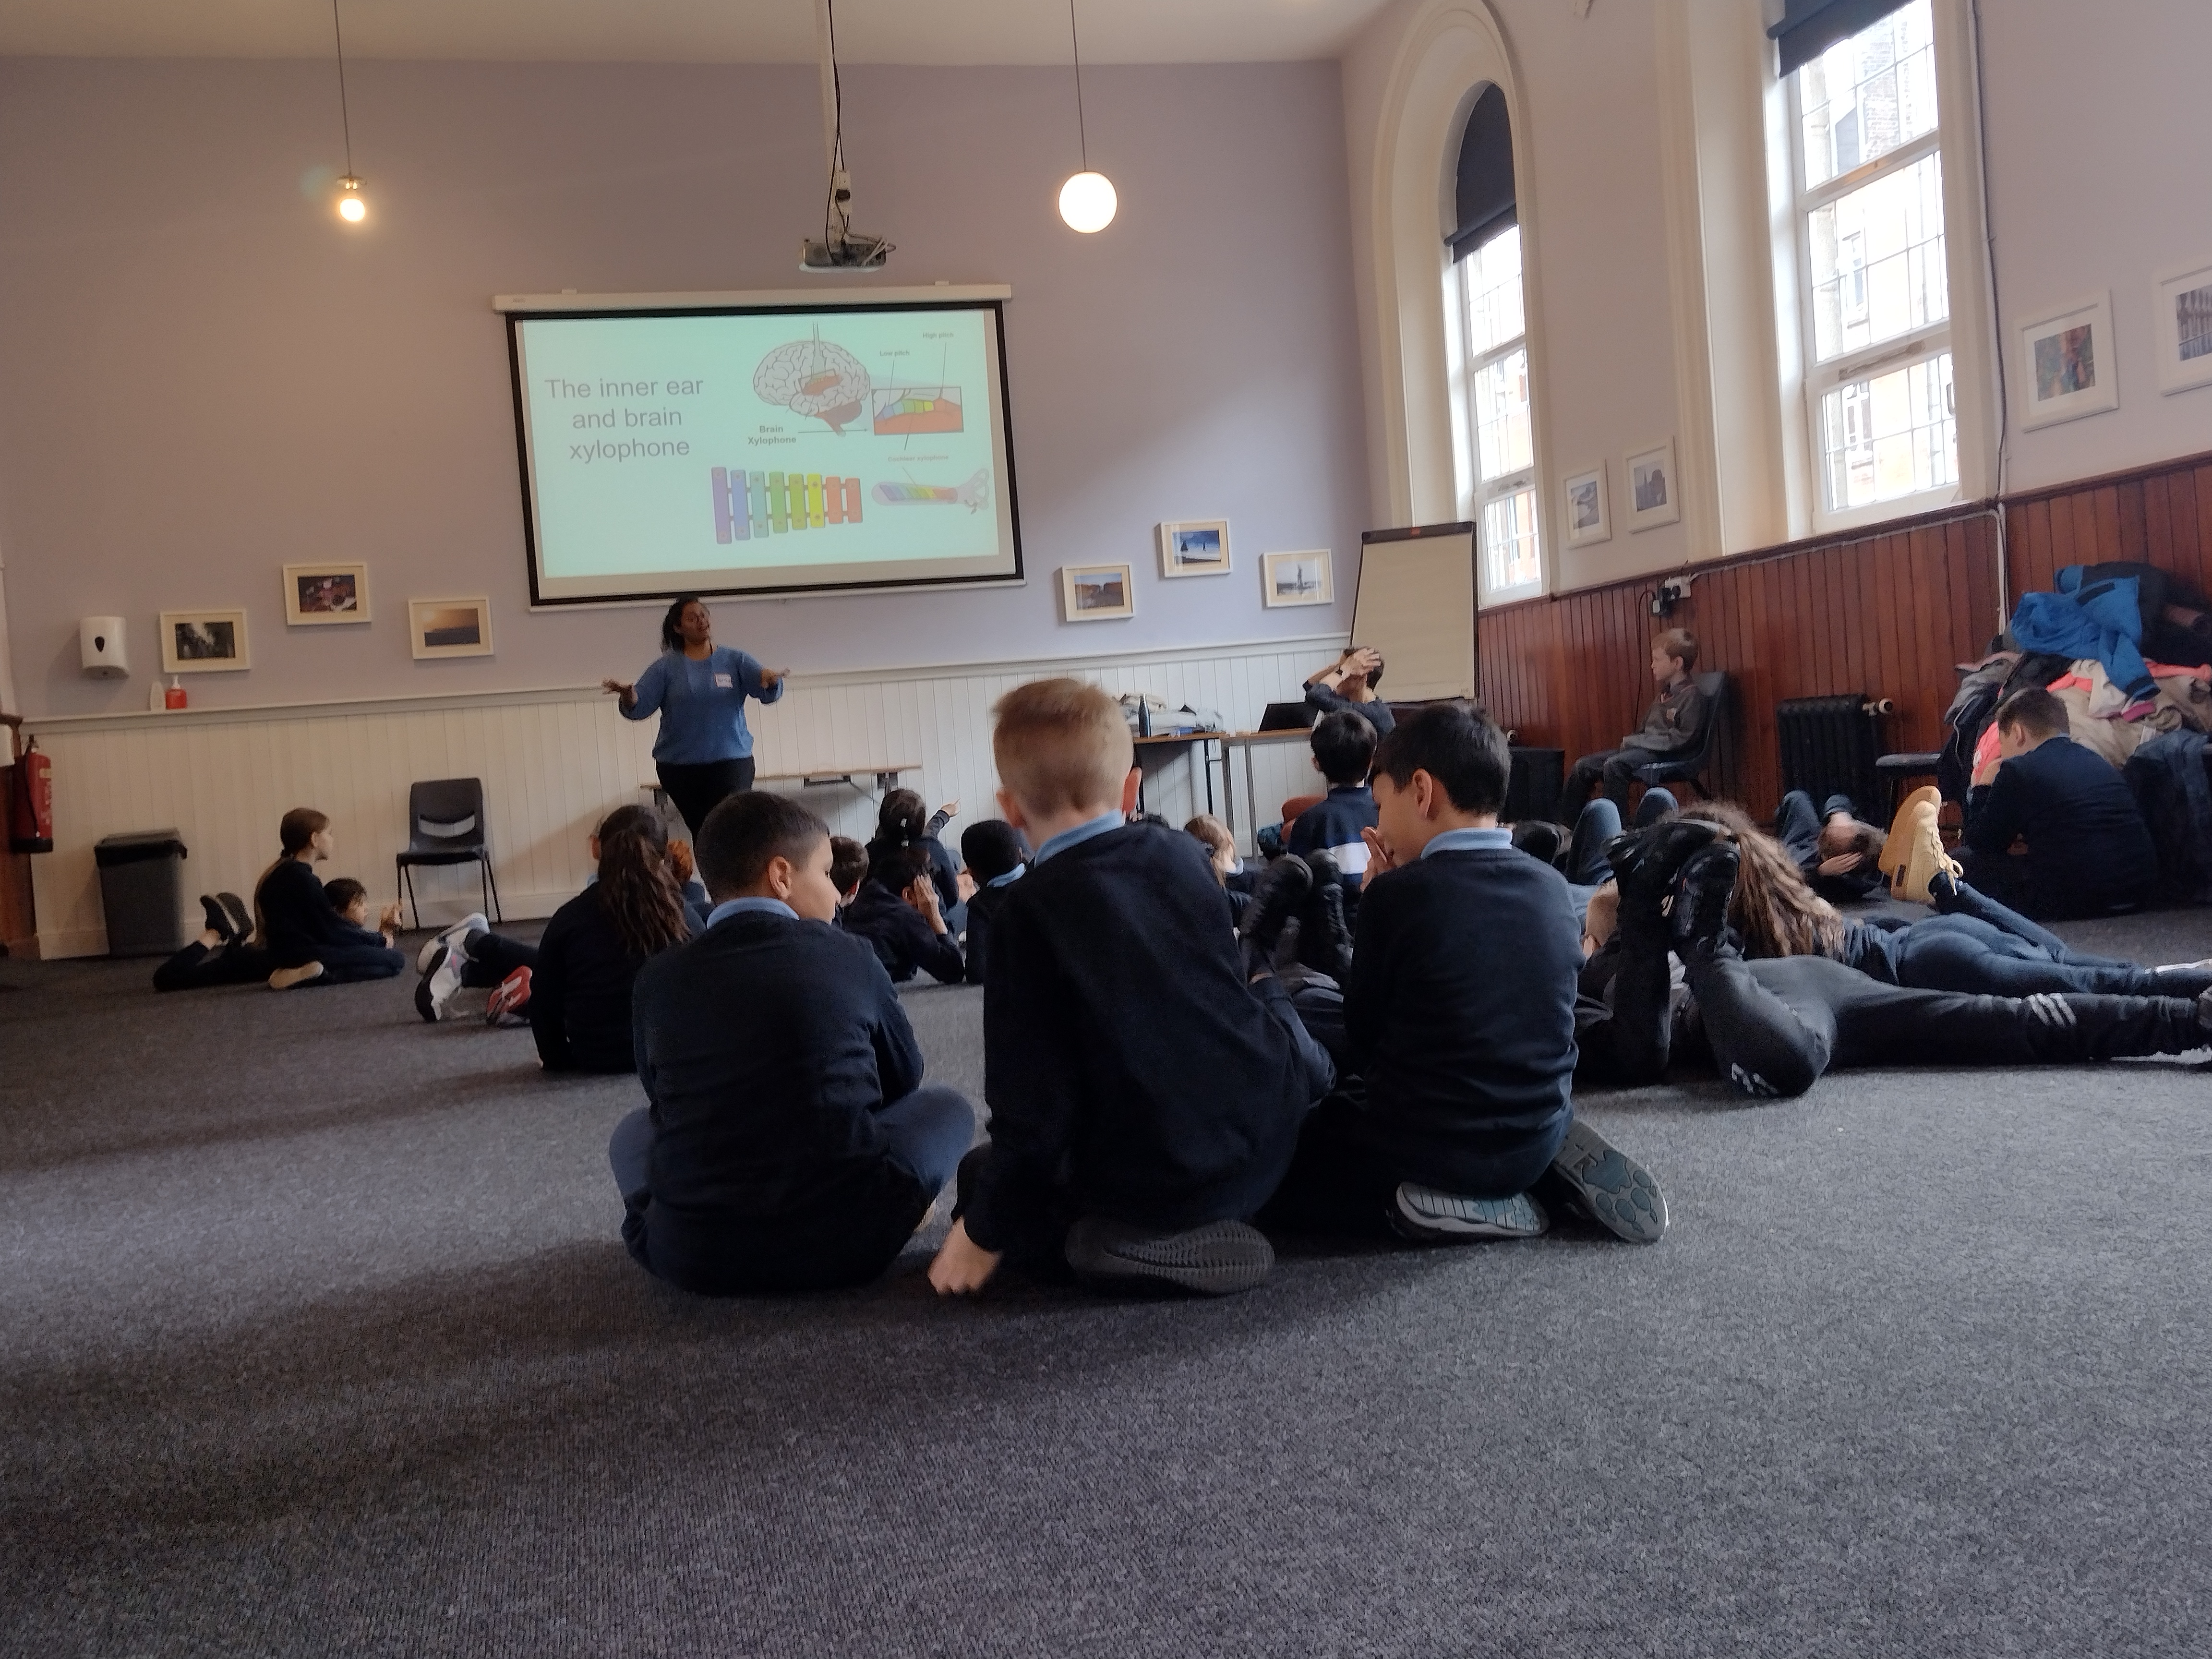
704,752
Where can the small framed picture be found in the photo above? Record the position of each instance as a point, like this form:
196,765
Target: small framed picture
1655,492
203,641
2183,311
320,594
450,628
1296,579
1588,513
1196,547
1098,593
2068,367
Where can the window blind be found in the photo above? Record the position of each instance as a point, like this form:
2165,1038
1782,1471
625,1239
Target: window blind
1485,197
1809,27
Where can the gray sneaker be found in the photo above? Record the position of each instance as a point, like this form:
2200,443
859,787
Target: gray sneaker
1436,1218
475,922
1610,1186
1218,1258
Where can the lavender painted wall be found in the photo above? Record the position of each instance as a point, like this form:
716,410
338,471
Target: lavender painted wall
202,376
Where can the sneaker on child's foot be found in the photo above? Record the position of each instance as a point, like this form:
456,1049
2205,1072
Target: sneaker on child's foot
241,917
475,922
1324,938
218,919
1645,862
1216,1259
435,992
1698,913
508,1002
1435,1217
1897,847
1609,1187
285,978
1276,893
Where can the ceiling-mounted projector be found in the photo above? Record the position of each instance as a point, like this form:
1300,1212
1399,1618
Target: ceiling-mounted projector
842,247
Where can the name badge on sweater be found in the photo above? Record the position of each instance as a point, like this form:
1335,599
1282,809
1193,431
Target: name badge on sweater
721,681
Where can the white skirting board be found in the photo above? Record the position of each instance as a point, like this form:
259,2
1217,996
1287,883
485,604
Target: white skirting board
554,761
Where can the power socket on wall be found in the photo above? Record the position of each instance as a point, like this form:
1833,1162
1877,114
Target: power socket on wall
1670,594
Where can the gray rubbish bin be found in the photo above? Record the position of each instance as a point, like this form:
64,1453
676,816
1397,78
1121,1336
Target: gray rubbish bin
139,892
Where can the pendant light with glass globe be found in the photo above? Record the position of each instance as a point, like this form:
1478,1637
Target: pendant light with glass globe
353,206
1087,200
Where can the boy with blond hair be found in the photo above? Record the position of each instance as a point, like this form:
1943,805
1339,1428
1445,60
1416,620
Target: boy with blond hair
1144,1101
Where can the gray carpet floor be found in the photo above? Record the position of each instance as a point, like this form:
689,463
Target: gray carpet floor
316,1338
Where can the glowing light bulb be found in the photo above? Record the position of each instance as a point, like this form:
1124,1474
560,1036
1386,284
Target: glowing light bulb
351,208
1087,201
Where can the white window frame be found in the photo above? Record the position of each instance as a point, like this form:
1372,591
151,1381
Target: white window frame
1476,492
1923,344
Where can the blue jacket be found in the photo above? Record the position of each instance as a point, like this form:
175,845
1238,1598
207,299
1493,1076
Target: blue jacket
702,705
2102,619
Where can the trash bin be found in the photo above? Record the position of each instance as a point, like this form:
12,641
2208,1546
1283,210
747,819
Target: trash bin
139,892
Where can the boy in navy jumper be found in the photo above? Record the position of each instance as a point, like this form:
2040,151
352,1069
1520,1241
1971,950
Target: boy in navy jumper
992,849
2089,853
1459,1019
897,910
1343,752
790,1144
1144,1100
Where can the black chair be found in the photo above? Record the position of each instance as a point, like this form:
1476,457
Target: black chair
445,825
1692,765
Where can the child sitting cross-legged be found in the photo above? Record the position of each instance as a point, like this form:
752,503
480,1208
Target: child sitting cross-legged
1459,1024
1144,1099
790,1144
994,852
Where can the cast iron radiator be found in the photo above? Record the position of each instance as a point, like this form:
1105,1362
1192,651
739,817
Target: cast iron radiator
1828,748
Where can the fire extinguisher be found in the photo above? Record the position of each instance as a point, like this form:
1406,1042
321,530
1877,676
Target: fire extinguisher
31,802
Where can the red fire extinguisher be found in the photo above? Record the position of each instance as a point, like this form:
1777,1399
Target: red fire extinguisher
31,802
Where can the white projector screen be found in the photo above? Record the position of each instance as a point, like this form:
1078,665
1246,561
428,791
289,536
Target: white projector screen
761,448
1416,607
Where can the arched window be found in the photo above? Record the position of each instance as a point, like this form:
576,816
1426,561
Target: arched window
1491,374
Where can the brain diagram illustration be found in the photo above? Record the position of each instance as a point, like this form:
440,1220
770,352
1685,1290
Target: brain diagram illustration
816,378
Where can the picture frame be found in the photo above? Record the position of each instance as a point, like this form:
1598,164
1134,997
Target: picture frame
1299,578
204,641
319,595
450,628
1654,486
1585,506
2068,363
2181,315
1194,547
1098,593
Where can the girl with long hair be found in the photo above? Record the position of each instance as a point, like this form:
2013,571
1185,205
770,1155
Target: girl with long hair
573,985
704,750
308,942
1974,944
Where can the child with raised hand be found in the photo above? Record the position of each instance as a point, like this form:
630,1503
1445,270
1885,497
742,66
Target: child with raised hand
1144,1100
899,911
790,1144
1459,1024
309,942
996,858
904,823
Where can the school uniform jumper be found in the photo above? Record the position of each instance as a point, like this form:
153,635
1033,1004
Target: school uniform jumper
1675,722
2089,853
704,750
903,940
581,983
1459,1037
982,911
299,925
1332,825
1129,1071
790,1144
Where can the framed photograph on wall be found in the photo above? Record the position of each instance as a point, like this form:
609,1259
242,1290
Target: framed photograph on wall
1196,547
1587,513
1655,489
2068,367
1098,593
203,641
1297,578
315,594
2182,314
450,628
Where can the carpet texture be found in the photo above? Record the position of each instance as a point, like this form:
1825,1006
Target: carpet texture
316,1338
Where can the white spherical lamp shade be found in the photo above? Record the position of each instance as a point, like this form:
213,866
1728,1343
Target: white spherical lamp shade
1087,201
351,208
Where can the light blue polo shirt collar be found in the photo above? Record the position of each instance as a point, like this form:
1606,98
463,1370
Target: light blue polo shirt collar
1469,841
764,906
1010,878
1082,832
